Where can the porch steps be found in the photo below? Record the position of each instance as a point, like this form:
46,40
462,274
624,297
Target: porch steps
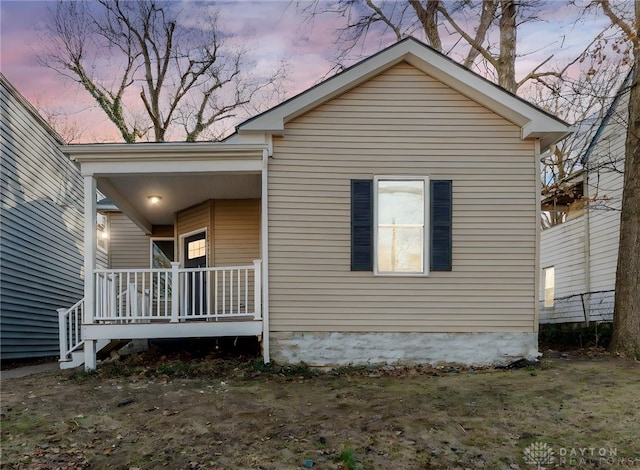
77,357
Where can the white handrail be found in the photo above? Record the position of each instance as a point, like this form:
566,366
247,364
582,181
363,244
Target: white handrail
70,328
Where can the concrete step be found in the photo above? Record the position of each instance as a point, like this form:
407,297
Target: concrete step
77,357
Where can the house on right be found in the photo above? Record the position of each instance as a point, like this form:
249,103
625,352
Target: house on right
579,252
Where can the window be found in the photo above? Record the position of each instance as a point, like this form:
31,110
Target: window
401,225
162,252
549,286
400,212
103,231
196,249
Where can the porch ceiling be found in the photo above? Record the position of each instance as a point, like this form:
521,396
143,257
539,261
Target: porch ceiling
177,192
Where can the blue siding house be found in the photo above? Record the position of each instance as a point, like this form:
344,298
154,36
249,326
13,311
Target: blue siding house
41,230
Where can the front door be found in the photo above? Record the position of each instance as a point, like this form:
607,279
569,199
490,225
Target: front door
195,256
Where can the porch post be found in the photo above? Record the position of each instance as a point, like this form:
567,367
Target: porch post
90,246
90,352
257,288
62,327
264,253
175,292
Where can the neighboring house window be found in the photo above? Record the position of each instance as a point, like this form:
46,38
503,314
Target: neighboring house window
549,286
162,252
401,225
103,231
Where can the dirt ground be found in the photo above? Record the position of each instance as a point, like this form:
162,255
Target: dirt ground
212,413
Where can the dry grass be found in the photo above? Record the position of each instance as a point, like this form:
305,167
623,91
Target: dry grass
234,414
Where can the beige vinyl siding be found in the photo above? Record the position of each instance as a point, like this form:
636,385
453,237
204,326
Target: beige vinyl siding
233,229
402,123
193,219
128,245
236,231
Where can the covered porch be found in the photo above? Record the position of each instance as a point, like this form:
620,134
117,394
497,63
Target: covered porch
206,203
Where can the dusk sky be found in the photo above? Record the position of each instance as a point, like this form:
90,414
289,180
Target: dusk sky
272,30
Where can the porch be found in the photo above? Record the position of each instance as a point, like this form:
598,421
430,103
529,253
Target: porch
190,260
166,303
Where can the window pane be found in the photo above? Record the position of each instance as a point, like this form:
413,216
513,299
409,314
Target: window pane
103,233
196,249
162,253
400,226
549,286
401,202
400,249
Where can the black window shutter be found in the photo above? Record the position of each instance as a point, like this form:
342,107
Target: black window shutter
441,215
361,225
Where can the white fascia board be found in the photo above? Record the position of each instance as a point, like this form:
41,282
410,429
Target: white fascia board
103,168
182,157
164,151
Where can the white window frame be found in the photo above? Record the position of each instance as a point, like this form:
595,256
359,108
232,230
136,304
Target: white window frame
426,229
152,239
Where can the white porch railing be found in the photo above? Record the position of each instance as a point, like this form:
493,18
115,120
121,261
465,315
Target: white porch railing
178,294
70,321
127,296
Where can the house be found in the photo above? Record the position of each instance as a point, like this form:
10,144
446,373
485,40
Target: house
386,215
579,254
41,230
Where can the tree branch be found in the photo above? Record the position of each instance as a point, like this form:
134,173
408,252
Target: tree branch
483,51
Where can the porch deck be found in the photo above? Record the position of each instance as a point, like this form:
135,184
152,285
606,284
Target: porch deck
165,303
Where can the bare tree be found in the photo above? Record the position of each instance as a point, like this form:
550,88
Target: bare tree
626,315
185,76
486,32
475,24
70,130
583,100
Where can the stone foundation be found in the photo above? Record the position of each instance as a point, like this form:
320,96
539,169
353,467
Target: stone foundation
342,349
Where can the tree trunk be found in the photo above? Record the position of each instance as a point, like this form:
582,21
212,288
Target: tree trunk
507,58
626,315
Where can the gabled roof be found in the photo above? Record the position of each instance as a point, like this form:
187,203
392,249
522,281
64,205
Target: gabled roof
534,122
30,109
624,88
